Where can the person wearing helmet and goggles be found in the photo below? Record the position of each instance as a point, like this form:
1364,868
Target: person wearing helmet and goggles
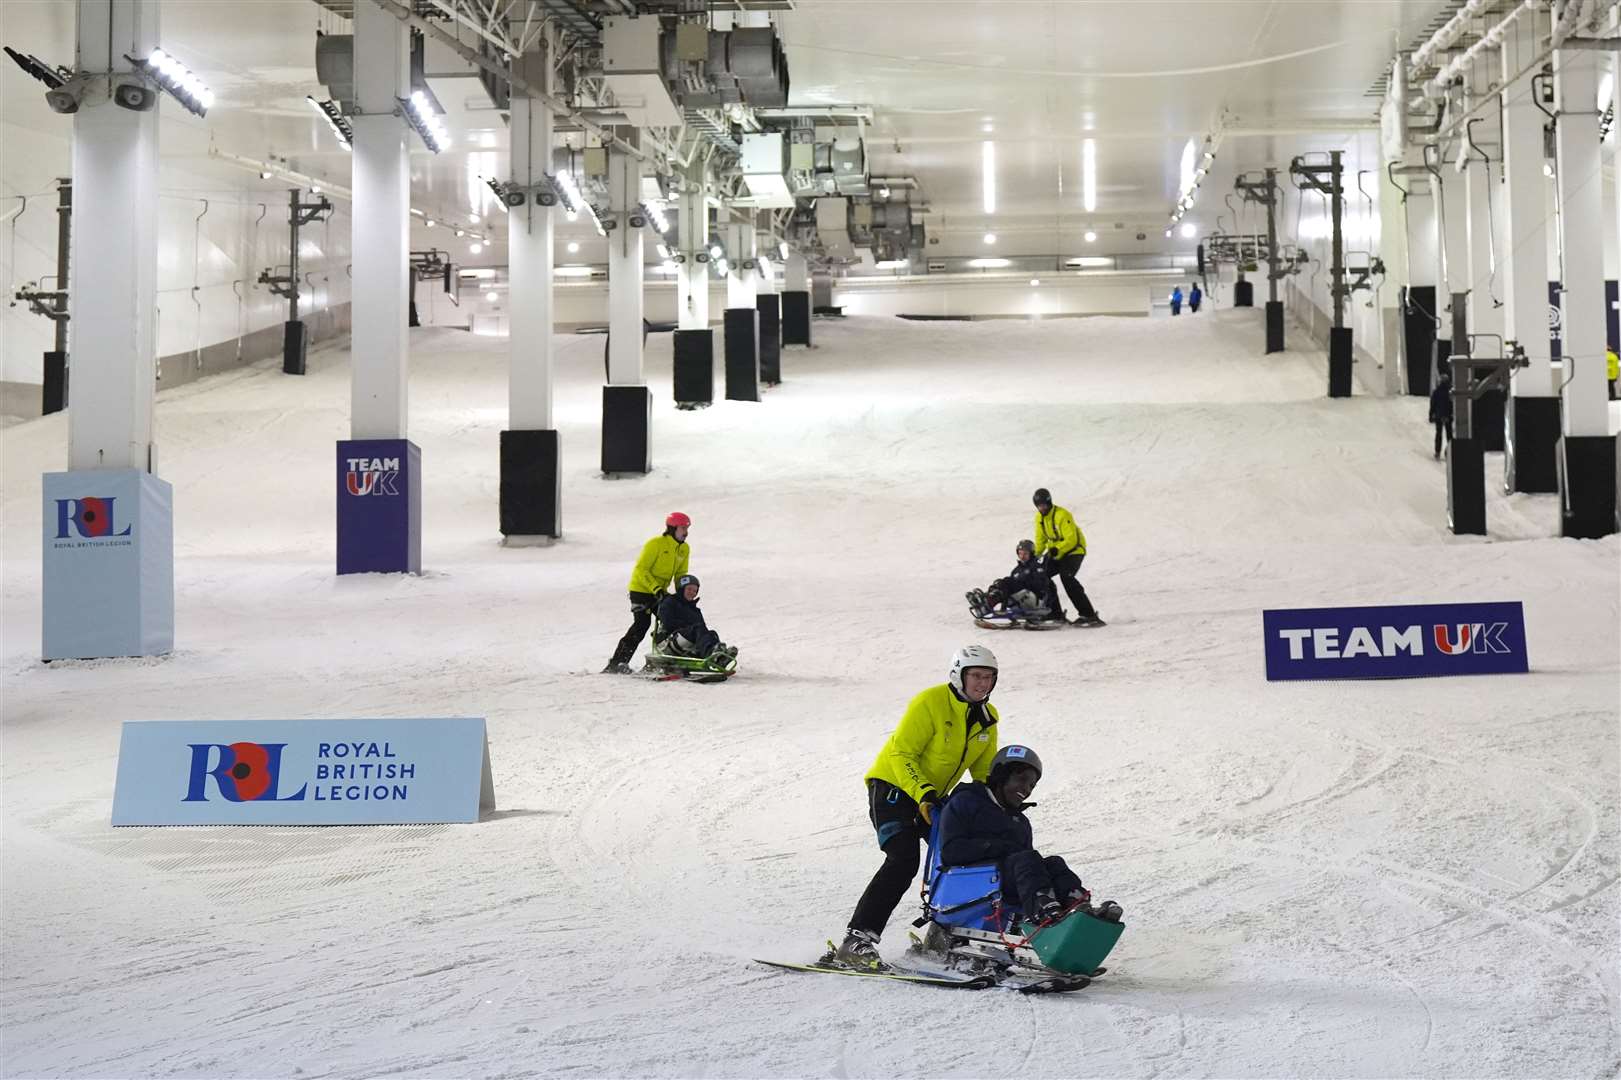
680,618
985,822
663,559
947,730
1027,576
1062,546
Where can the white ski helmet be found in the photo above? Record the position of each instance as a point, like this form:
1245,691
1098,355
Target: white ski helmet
966,657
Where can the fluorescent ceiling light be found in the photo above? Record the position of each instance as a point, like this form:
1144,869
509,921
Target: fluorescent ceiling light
475,248
990,238
989,264
1606,86
1189,231
892,264
1089,174
988,159
492,296
1091,237
573,271
782,249
573,246
482,274
1035,281
1089,261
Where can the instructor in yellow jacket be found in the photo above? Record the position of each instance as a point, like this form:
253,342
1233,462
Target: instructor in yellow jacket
947,730
663,559
1063,547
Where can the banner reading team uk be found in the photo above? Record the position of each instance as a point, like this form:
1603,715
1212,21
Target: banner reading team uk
1399,642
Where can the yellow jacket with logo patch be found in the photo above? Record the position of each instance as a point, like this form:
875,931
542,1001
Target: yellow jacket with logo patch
663,559
931,746
1057,529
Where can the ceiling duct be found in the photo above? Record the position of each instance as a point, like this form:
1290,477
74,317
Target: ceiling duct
335,67
741,67
833,227
633,64
765,169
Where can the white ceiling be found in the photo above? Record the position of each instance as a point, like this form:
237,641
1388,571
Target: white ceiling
1141,77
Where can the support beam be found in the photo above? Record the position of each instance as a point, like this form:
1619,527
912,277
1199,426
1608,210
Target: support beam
1483,199
379,508
1587,449
108,552
626,402
530,462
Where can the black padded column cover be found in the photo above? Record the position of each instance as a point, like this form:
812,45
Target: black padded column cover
796,318
1466,487
54,396
1339,361
627,412
742,354
1418,337
694,368
770,338
531,484
1532,445
1587,486
1244,294
1274,326
295,340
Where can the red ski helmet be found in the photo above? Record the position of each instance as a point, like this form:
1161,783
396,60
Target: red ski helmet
677,520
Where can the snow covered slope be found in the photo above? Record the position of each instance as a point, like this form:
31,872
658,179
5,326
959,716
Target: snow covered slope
1400,878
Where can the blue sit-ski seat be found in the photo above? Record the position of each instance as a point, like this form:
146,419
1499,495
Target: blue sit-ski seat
963,895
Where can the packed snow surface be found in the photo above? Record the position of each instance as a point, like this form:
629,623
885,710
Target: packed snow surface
1403,878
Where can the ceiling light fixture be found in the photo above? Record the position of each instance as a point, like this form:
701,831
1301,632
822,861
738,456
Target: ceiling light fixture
1189,231
573,247
1091,237
989,264
492,296
342,129
475,248
1089,174
421,114
178,79
988,163
990,238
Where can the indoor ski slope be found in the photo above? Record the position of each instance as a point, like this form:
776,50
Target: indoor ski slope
1327,879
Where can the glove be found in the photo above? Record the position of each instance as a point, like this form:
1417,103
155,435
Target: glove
1052,554
928,808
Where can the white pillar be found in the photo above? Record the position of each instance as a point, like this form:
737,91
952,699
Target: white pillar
796,274
530,232
742,283
1484,197
1585,400
381,238
692,283
1452,216
1523,261
624,272
113,295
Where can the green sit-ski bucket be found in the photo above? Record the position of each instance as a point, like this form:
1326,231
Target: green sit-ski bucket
1076,945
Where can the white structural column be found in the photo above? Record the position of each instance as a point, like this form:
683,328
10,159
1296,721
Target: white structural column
113,295
381,240
796,273
624,271
692,283
1523,261
742,282
1484,196
1452,219
1585,406
530,232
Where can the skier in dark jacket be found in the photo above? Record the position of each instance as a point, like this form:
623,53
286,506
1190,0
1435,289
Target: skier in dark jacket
985,823
1027,574
1195,297
679,617
1441,410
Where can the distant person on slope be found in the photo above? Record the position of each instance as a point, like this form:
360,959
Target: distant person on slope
984,823
1176,300
1028,580
663,558
1441,410
1064,549
1195,297
946,729
1612,369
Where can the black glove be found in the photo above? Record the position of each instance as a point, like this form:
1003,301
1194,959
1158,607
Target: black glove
1052,554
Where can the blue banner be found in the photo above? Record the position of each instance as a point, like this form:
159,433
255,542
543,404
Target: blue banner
1407,641
302,772
108,553
379,506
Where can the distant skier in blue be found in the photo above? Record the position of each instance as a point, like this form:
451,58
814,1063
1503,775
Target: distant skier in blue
1195,297
1176,300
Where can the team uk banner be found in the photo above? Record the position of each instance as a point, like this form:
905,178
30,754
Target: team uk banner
303,772
1408,641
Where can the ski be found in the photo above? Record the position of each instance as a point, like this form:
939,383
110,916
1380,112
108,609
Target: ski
978,982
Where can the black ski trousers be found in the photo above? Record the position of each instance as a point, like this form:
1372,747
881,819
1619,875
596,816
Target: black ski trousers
901,836
642,605
1442,427
1065,570
1025,873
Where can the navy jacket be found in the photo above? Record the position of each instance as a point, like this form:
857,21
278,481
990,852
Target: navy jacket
1441,403
974,828
678,614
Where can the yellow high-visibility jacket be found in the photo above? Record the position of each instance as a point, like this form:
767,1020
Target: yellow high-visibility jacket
1057,529
1612,364
931,746
663,559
